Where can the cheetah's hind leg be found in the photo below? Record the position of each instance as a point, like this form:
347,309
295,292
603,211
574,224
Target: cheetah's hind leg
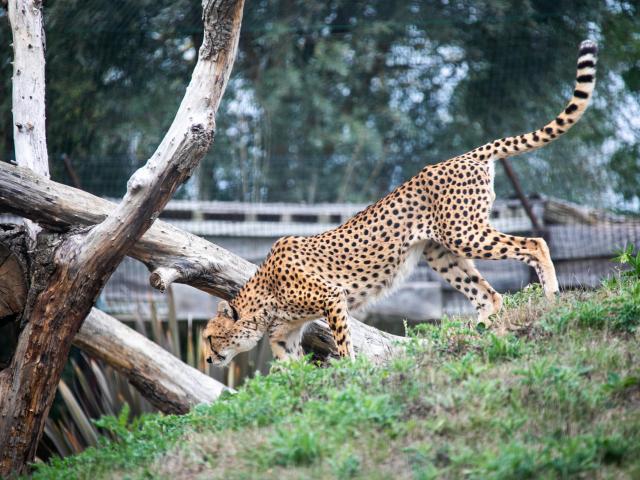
462,274
490,244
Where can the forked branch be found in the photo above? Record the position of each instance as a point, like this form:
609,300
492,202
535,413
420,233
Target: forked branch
83,261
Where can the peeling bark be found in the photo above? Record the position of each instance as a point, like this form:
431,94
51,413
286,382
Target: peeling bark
13,272
14,286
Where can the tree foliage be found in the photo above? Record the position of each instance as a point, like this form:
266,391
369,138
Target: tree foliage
342,100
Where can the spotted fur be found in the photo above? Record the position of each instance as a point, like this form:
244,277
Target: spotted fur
441,214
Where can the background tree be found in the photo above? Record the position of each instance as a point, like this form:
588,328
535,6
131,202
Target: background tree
329,94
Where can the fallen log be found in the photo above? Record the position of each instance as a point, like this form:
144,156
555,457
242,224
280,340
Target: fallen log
168,383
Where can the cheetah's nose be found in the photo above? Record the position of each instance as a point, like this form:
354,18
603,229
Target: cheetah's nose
209,360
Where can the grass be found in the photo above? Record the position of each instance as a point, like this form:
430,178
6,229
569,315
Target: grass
553,391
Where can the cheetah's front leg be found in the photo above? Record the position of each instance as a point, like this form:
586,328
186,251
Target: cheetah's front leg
338,318
285,340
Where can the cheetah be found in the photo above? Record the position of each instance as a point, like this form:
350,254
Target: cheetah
441,215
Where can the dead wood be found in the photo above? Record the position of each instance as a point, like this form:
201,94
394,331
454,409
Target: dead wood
82,261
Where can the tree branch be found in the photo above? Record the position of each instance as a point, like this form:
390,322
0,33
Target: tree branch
181,256
28,91
184,145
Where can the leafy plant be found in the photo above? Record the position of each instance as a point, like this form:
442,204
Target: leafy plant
91,391
619,312
627,258
296,447
620,384
347,467
502,348
524,296
464,367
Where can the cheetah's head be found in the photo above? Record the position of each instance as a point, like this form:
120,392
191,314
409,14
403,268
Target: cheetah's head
227,334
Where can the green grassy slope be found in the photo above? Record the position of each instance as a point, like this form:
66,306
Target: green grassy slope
552,392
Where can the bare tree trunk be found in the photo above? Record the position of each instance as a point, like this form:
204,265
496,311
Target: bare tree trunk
168,383
29,135
30,145
83,261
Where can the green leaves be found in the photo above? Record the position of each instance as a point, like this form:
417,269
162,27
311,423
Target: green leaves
627,259
618,312
348,98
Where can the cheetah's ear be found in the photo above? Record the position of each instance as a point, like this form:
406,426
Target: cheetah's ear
227,310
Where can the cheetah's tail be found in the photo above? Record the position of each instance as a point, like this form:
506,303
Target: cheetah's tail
585,82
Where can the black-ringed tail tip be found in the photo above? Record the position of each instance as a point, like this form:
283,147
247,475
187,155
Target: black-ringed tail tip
588,46
587,58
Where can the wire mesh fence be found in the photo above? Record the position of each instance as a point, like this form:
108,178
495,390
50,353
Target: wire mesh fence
340,101
330,107
582,241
